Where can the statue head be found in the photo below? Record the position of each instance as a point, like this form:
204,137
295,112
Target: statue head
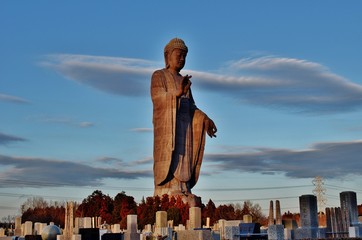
175,43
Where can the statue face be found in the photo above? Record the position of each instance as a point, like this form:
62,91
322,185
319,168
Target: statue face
177,59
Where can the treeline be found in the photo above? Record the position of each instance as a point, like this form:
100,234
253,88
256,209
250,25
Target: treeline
45,215
115,210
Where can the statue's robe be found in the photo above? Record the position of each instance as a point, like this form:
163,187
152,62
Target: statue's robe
165,107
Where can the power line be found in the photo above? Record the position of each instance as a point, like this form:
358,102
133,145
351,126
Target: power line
71,185
332,196
342,188
33,183
251,189
254,199
8,208
19,195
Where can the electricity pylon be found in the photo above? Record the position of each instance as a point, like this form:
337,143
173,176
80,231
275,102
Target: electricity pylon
320,192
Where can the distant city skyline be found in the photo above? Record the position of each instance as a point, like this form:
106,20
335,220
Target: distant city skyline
281,80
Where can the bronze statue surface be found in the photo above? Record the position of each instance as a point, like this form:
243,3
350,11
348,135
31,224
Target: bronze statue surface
179,127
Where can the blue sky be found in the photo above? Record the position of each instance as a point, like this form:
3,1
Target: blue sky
281,80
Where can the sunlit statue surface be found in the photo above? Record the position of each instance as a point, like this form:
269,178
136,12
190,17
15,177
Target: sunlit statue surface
179,127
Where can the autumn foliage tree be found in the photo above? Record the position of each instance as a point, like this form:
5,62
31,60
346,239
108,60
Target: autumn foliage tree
36,209
255,211
45,215
184,210
176,209
96,205
123,206
226,212
173,212
146,211
209,211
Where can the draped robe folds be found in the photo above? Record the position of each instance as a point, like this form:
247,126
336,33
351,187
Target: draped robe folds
165,106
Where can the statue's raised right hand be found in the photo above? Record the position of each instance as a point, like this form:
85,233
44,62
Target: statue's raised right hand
185,85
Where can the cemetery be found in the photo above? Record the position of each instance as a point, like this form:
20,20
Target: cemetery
341,223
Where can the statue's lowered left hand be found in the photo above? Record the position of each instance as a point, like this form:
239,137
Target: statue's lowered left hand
210,127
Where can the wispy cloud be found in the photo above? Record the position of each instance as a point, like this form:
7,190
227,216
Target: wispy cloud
123,76
5,139
286,83
328,159
86,124
300,85
117,162
42,172
61,120
12,99
112,161
142,130
144,161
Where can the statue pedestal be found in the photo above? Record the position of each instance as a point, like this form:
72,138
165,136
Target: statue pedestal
191,199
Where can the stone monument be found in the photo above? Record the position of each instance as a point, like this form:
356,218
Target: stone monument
275,228
179,128
308,211
334,228
195,217
17,230
349,212
69,221
247,218
271,214
349,209
28,228
131,233
309,219
161,227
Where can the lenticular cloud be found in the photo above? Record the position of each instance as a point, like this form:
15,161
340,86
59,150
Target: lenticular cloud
283,83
